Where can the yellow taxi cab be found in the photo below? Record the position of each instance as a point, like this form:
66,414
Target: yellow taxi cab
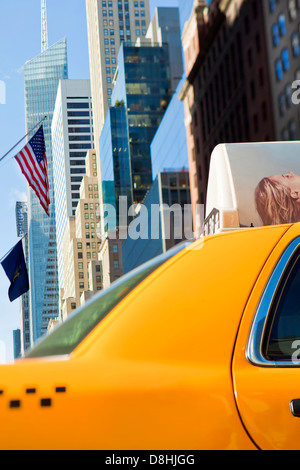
198,349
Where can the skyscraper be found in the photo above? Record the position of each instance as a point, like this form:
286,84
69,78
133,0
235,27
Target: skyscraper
22,232
109,23
141,95
72,137
82,270
42,75
165,29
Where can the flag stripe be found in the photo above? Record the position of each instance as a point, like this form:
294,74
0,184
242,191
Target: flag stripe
32,160
35,167
32,184
30,175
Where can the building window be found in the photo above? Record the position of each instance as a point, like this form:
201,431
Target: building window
282,104
285,59
282,25
279,70
276,38
296,44
116,264
292,130
272,5
288,94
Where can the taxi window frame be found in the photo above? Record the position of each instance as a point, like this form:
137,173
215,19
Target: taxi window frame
263,318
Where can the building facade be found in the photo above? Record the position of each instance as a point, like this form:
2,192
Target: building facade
72,137
22,232
227,94
17,343
80,245
143,84
169,146
282,20
109,23
42,75
165,29
115,164
163,220
110,256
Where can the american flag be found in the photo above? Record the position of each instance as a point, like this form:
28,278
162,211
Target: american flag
33,163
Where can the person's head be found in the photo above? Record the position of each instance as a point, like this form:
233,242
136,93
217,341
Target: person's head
278,199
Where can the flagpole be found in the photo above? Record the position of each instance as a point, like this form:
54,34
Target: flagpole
7,153
9,251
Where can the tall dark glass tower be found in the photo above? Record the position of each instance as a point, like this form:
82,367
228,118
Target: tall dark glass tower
141,95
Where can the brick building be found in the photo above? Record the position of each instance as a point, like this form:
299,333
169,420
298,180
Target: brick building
236,73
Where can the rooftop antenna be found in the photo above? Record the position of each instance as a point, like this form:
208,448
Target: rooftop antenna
44,27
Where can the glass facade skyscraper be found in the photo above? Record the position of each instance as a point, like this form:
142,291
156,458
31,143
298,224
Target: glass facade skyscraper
169,149
42,75
143,84
116,174
22,232
141,95
170,192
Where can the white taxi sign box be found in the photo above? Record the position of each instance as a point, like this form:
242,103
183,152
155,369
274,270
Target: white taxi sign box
252,185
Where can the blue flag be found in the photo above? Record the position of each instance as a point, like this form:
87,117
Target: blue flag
15,268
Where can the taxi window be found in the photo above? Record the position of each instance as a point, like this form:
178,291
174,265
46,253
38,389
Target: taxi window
283,328
65,338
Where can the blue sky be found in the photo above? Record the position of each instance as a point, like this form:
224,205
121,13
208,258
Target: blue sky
20,41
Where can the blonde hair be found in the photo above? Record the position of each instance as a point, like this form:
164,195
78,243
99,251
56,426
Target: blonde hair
275,204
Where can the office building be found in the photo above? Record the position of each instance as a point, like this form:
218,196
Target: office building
80,245
282,32
110,256
165,29
227,94
22,232
72,137
17,343
164,220
141,95
109,23
42,75
169,145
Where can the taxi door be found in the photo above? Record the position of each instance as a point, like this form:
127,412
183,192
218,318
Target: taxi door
266,359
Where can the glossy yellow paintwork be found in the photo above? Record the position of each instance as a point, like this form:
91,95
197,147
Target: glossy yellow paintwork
156,373
264,394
